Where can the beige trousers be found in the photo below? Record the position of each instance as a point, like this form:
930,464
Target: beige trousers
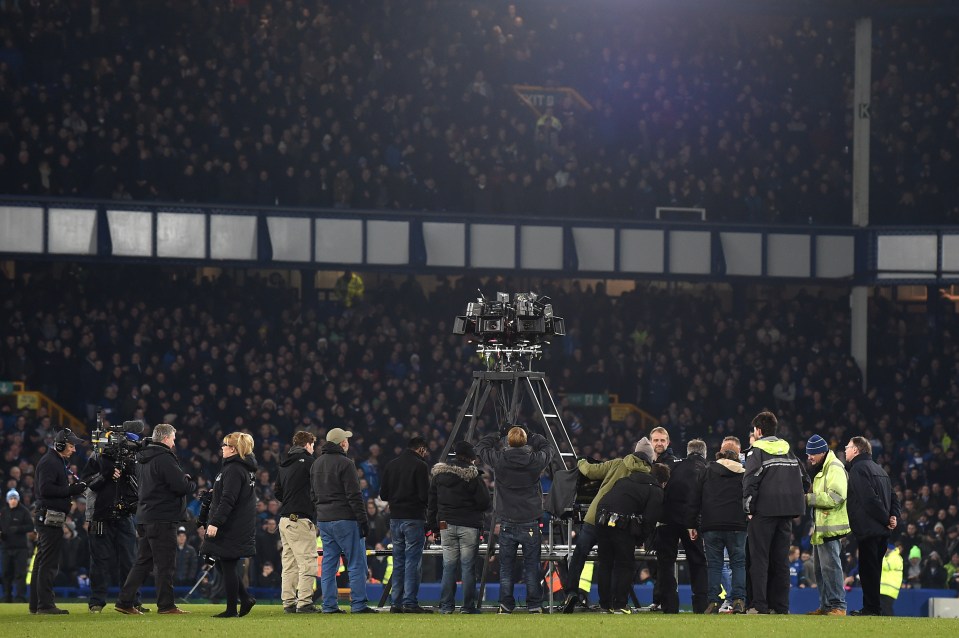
299,561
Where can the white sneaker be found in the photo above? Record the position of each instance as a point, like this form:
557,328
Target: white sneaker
726,607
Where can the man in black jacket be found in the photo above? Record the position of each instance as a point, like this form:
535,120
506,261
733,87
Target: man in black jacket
161,507
627,515
680,514
54,492
873,514
297,526
458,499
111,501
722,525
774,489
519,506
341,517
15,524
405,486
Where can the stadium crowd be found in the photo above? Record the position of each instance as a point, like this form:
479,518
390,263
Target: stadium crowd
164,347
324,104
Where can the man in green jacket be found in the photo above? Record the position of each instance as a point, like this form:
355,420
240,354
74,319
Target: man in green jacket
827,499
608,472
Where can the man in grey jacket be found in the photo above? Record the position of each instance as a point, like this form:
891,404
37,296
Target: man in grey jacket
519,507
341,516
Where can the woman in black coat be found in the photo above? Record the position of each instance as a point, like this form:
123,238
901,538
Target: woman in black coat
231,522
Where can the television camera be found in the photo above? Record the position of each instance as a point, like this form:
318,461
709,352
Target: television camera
121,443
508,331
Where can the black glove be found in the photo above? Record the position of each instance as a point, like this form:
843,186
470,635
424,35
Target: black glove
504,429
78,488
364,529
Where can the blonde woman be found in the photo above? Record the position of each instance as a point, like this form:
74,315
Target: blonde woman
231,523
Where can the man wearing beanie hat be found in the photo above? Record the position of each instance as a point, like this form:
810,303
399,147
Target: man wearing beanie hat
458,499
827,499
15,524
891,580
640,460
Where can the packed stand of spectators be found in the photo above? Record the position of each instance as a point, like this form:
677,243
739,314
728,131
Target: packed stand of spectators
407,104
164,347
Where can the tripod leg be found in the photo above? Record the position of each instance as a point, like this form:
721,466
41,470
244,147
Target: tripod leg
386,591
490,549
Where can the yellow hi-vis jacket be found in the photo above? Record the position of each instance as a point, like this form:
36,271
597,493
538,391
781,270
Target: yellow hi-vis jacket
828,498
891,579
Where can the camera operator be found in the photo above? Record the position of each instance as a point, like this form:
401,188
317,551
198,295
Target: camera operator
519,507
160,509
111,498
54,492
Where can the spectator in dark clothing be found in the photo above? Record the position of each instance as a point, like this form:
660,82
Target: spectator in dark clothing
161,507
458,500
628,514
722,525
873,514
15,524
230,532
519,506
774,490
405,486
187,562
681,525
297,524
342,520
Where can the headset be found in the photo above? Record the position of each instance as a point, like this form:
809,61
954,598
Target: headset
62,439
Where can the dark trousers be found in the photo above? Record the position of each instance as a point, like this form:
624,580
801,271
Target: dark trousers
615,566
668,538
113,548
45,566
871,552
585,540
15,572
886,602
232,584
156,552
768,538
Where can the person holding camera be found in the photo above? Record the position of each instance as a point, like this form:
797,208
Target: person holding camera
161,506
519,506
458,499
297,526
15,524
54,492
111,498
231,523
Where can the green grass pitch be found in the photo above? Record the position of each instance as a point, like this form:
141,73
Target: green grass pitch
268,621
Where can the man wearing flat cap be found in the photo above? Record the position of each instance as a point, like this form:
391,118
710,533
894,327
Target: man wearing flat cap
341,518
15,524
827,499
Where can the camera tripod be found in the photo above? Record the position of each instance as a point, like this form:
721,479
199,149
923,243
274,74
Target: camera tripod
516,385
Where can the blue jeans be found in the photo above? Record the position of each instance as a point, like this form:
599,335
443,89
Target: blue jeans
829,575
529,537
409,536
735,544
343,538
459,551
